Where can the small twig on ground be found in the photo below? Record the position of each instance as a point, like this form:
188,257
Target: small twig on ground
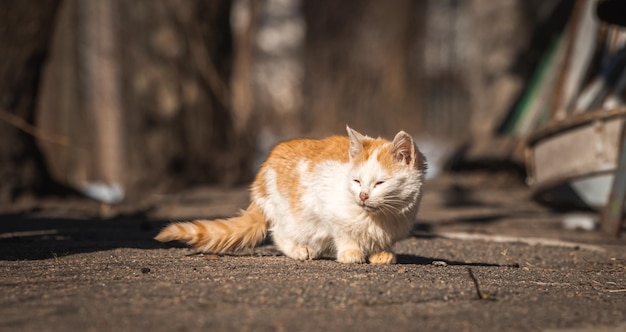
481,295
540,283
57,256
478,292
616,290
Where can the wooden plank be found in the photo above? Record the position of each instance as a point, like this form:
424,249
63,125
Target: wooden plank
572,121
614,211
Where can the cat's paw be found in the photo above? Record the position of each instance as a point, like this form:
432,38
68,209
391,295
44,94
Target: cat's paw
383,257
295,250
351,256
301,252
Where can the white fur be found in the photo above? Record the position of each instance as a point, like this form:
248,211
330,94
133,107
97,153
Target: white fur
331,219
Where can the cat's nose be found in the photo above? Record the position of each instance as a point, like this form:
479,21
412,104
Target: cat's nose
364,196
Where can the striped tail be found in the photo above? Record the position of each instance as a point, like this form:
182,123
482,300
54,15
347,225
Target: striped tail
220,236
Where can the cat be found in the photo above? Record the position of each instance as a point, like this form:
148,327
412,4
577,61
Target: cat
348,197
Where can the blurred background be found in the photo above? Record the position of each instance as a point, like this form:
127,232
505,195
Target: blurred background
117,99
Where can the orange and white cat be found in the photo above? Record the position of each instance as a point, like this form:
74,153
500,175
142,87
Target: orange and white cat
349,197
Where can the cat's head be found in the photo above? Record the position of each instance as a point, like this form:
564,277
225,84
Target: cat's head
385,176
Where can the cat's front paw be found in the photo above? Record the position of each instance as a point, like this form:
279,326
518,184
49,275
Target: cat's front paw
300,252
383,257
351,256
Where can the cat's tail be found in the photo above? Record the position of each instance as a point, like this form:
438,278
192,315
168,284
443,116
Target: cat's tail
221,235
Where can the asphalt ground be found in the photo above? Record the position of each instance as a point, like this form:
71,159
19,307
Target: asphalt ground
483,257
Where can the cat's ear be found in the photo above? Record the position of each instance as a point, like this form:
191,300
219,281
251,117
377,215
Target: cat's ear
356,142
403,149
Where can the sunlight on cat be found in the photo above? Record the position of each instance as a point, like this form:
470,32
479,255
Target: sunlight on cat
349,197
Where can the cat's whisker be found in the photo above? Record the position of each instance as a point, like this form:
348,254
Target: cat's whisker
393,207
387,210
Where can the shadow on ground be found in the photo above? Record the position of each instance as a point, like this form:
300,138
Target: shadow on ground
418,260
26,238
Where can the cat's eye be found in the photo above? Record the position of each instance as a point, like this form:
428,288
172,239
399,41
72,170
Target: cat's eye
357,181
378,183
